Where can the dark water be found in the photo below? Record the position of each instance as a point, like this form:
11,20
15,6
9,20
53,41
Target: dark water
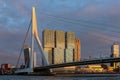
55,78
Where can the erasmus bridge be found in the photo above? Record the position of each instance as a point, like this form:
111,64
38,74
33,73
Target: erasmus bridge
46,65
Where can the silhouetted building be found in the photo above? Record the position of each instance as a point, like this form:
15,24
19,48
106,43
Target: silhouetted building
27,51
115,54
27,56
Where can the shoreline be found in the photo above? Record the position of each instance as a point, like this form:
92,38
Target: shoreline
89,75
72,75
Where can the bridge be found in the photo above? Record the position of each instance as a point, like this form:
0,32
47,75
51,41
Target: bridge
85,62
46,66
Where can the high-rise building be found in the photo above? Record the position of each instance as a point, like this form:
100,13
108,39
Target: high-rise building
70,40
58,55
59,39
49,43
58,51
48,38
27,56
70,45
60,46
68,55
115,54
77,50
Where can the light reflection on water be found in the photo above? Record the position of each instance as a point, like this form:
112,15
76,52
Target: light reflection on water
55,78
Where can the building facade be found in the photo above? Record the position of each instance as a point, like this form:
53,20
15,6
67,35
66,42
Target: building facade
27,56
115,54
48,43
60,46
59,39
68,55
70,40
48,38
58,55
77,50
70,45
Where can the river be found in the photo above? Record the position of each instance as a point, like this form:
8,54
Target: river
6,77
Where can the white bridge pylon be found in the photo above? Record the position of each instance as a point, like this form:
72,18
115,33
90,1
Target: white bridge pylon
35,37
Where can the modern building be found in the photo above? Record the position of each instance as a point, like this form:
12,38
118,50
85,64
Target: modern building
115,54
49,43
70,45
68,56
58,51
48,38
77,50
27,56
59,39
58,55
70,40
59,46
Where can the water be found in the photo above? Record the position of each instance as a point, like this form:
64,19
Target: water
55,78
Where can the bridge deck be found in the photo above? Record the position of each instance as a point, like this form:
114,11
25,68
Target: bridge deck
86,62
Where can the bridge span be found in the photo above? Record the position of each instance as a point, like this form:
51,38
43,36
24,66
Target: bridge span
85,62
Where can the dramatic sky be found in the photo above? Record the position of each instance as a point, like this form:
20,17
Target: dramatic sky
95,22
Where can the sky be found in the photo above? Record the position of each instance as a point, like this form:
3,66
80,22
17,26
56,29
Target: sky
95,22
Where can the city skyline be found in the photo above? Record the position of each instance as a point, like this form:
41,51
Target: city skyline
96,23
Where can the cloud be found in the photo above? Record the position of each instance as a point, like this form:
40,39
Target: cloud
95,22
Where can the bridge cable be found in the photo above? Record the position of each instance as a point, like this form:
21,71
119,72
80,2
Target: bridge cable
94,24
23,43
84,21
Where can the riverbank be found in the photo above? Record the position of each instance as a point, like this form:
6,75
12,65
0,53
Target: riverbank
16,77
90,75
71,74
